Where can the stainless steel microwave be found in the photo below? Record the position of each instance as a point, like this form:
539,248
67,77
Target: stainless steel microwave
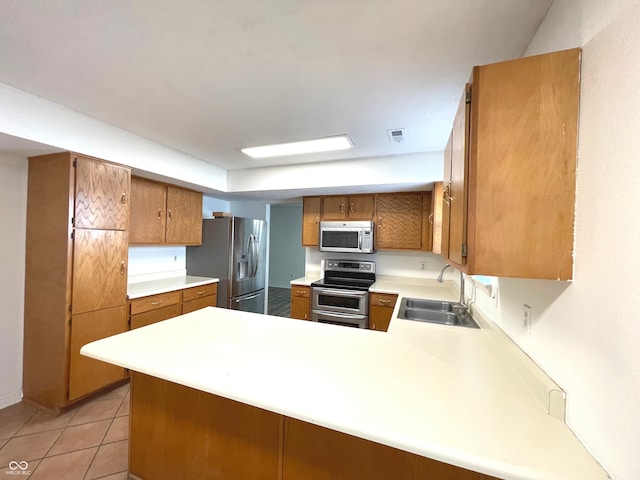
347,237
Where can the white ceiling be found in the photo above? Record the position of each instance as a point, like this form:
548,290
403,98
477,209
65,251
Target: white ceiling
207,77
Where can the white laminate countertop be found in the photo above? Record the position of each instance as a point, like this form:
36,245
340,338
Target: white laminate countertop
434,390
164,285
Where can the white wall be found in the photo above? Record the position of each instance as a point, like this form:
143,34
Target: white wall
27,116
13,210
586,334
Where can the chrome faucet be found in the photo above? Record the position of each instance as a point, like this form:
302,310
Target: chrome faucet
464,306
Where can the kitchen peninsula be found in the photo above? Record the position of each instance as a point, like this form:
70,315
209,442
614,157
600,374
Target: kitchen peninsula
255,396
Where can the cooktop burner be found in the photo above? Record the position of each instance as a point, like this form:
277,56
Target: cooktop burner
347,274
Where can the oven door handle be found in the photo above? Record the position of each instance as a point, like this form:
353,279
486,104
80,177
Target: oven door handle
339,315
340,293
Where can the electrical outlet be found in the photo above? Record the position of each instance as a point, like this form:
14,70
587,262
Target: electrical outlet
175,258
527,318
422,265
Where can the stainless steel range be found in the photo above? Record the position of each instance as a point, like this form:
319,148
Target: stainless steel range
342,296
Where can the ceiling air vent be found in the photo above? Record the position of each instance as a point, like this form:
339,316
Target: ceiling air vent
396,135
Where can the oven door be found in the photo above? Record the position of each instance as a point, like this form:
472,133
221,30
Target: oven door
343,319
342,301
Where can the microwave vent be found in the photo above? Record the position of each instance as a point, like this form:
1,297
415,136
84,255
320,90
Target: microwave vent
396,135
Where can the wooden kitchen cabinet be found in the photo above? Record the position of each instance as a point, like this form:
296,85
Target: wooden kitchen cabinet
87,375
381,307
311,211
150,309
196,298
164,214
301,302
510,166
351,207
75,276
402,221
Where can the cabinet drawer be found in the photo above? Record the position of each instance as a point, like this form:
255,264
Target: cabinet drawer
198,303
383,299
300,291
153,302
201,291
153,316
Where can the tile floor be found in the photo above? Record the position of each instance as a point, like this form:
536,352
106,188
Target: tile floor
85,443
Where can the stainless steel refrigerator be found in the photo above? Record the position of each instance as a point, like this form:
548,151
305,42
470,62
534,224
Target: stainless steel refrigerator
234,250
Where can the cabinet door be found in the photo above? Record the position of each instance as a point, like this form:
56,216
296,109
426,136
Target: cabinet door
334,208
300,304
380,310
457,192
99,269
361,207
199,303
148,212
184,217
153,316
102,195
311,221
399,221
87,375
435,218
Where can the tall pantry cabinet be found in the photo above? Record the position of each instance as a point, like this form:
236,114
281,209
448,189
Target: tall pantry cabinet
76,274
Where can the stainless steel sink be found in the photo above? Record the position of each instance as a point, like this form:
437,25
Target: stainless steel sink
435,311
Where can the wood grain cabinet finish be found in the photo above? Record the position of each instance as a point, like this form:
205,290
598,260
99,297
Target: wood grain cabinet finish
75,276
301,302
381,307
227,439
402,221
351,207
509,186
196,298
435,217
311,211
163,214
144,311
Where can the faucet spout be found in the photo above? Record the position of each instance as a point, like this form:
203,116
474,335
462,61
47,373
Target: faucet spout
441,277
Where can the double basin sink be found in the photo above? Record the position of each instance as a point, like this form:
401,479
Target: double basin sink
435,311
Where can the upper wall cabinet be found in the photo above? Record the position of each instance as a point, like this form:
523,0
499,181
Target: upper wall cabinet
402,221
510,166
311,209
164,214
352,207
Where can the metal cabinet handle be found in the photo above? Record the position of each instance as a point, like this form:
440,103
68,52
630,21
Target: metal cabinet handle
123,267
431,218
123,199
200,293
159,213
342,208
379,221
157,303
351,208
382,300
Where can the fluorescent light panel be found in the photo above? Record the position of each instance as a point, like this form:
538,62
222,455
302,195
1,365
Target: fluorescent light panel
326,144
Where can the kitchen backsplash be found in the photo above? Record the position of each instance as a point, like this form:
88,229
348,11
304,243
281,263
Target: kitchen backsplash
394,263
152,263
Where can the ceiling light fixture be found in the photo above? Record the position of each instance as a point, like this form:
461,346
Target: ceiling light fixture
326,144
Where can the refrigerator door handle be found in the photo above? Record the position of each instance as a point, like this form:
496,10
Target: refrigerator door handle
242,299
256,254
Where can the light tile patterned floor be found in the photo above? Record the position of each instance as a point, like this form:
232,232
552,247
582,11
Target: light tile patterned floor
87,442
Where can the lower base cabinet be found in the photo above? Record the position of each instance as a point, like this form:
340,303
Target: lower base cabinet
381,307
219,438
301,302
87,375
144,311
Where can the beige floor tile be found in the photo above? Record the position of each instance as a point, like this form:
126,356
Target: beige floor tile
42,421
111,458
125,407
10,425
70,466
28,447
96,410
116,476
119,392
80,437
118,431
3,441
19,408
